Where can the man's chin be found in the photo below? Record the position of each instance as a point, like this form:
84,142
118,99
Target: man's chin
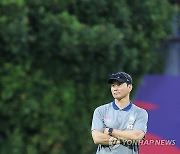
118,98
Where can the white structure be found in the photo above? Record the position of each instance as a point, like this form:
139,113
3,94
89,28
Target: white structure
173,60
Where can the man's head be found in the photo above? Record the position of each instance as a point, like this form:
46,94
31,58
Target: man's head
121,77
121,85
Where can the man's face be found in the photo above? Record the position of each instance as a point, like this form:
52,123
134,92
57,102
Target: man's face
120,90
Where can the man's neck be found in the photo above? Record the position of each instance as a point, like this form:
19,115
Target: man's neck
122,103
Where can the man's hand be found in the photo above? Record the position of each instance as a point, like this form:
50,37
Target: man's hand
113,141
106,131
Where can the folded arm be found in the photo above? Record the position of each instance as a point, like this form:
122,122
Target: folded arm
135,135
103,138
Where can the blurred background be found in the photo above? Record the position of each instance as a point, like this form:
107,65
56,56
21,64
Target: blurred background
55,59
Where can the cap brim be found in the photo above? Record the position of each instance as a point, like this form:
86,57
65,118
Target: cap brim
115,79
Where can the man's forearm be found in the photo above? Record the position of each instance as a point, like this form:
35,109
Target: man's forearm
102,138
135,135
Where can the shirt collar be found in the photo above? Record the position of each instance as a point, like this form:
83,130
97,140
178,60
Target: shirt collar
124,109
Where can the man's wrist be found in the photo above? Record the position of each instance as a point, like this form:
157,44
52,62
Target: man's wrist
117,133
110,131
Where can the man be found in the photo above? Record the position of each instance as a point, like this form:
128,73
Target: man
118,126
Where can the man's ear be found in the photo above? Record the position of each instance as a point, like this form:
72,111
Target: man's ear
130,87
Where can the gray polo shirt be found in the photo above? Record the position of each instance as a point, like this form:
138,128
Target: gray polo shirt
129,118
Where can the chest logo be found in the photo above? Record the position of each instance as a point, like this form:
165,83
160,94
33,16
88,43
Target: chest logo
131,121
107,118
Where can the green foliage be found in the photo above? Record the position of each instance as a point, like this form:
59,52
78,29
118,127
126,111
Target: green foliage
55,60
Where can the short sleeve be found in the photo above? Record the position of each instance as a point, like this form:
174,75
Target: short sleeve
141,121
97,121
